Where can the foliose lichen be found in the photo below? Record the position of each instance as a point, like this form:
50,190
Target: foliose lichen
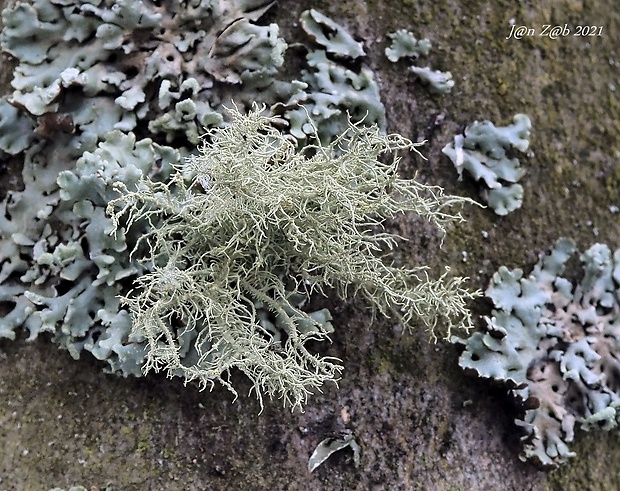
483,152
331,445
334,91
172,65
406,45
61,270
438,81
93,80
252,223
556,344
330,35
16,130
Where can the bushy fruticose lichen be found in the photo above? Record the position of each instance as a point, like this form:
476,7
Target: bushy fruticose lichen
92,80
251,222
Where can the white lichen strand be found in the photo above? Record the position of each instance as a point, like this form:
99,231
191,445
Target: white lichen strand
250,221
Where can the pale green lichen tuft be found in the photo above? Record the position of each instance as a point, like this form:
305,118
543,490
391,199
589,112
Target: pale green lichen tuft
249,223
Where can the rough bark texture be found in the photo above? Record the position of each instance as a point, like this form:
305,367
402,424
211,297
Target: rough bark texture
420,422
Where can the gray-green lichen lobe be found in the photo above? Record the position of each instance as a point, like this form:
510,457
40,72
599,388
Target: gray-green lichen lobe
420,422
